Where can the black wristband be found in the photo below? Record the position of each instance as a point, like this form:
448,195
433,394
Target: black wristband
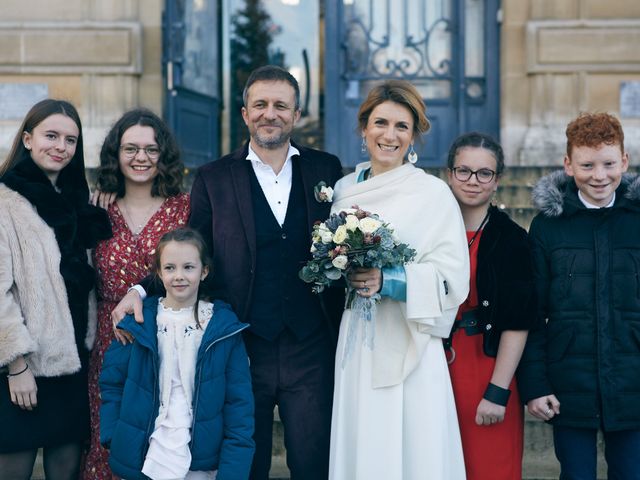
18,373
497,395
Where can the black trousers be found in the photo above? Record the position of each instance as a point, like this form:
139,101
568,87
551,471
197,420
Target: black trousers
297,375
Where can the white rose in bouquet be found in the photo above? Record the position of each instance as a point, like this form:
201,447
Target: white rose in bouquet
341,235
326,236
340,262
369,225
352,223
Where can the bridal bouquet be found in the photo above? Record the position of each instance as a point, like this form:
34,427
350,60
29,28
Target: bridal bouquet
349,239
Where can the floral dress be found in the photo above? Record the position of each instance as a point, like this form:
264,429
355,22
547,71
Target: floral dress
122,261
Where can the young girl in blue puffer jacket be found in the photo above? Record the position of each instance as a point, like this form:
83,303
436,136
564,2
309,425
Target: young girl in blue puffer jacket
177,402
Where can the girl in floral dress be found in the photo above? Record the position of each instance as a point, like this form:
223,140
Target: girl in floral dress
140,164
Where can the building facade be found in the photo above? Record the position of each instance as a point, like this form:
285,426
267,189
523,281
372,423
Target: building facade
563,57
518,69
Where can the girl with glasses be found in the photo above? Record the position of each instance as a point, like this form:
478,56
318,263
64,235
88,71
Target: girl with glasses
491,327
139,165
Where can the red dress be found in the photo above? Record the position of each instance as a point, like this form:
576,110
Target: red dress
490,452
122,261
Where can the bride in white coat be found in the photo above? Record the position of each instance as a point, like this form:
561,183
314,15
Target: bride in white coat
394,415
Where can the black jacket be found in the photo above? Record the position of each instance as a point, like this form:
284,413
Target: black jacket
587,268
504,279
222,211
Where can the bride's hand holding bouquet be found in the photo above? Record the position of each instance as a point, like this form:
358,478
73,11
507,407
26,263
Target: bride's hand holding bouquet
353,244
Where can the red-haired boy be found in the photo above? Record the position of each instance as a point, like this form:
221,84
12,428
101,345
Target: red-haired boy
581,368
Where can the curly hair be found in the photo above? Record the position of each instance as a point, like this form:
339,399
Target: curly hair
477,140
168,182
594,129
402,93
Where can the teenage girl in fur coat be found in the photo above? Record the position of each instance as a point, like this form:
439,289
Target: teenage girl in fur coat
46,227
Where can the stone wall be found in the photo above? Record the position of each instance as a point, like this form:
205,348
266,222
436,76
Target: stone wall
560,58
104,57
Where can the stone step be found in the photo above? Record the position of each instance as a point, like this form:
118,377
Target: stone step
539,461
513,196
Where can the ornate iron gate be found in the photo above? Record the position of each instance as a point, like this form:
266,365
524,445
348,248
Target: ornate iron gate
447,48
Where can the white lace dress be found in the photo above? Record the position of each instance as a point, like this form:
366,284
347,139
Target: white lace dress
179,338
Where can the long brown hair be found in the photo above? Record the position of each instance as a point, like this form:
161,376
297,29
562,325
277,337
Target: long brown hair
72,174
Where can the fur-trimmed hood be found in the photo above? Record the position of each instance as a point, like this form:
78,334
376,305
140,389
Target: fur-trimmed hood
551,192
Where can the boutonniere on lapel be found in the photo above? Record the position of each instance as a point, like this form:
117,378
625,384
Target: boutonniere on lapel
323,193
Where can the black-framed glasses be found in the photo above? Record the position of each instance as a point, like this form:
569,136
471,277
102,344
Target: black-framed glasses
484,175
130,151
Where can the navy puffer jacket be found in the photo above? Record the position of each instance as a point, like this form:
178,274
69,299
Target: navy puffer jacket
587,270
223,409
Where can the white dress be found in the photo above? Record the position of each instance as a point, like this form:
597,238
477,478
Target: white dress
394,415
179,338
407,431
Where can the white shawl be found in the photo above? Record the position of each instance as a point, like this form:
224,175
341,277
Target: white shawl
425,215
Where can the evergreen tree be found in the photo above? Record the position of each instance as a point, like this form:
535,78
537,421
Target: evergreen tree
251,38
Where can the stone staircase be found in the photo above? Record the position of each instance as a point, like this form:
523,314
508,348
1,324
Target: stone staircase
514,192
539,462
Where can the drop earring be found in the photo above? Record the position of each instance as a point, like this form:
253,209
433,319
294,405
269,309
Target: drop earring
363,146
413,156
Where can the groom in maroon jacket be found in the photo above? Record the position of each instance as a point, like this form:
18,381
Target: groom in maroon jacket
255,209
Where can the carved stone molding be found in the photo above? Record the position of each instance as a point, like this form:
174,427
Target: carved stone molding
557,46
70,47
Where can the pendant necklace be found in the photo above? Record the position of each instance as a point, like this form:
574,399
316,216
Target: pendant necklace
137,228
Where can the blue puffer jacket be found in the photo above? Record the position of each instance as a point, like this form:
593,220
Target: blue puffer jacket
222,430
